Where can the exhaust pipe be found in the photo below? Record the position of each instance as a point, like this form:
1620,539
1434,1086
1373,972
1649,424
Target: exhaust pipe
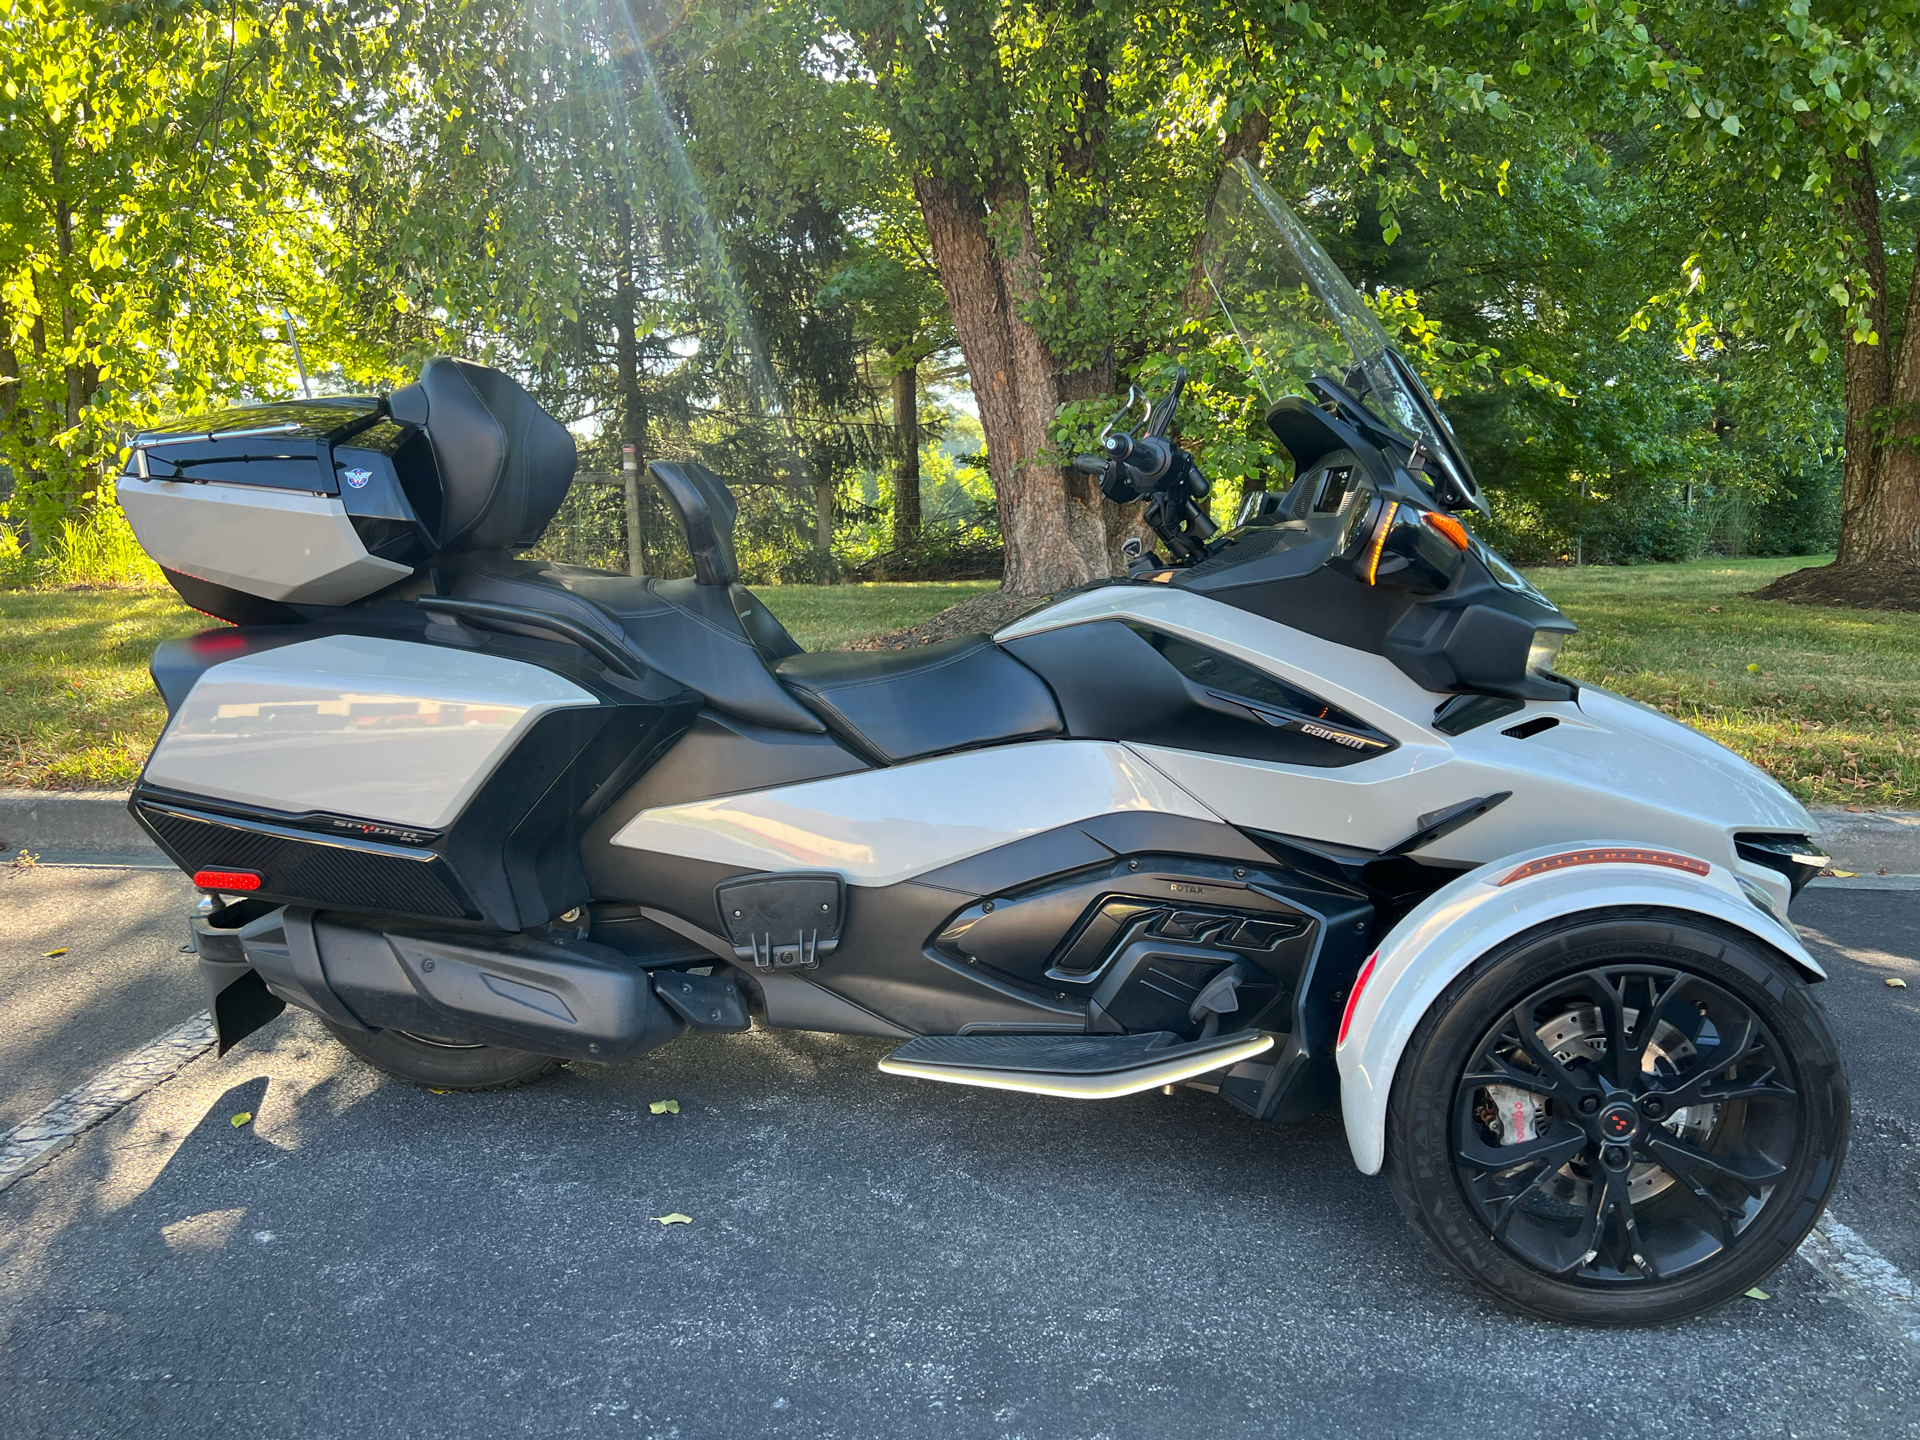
565,997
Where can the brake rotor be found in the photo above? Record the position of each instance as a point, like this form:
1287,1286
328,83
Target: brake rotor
1575,1036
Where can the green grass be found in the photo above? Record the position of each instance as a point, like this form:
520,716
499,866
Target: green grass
76,707
825,617
1833,707
1827,700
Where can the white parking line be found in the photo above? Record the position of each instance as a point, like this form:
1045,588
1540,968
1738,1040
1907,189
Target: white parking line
1866,1276
32,1143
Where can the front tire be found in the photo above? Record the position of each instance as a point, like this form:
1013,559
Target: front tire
1619,1120
445,1064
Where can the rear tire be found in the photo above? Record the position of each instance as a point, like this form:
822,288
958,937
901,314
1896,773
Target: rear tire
445,1065
1619,1120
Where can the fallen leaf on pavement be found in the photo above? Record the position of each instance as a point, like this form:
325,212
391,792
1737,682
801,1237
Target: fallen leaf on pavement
676,1218
1894,982
49,954
242,1118
665,1107
1756,1293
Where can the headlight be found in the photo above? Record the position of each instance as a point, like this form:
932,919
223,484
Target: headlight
1544,653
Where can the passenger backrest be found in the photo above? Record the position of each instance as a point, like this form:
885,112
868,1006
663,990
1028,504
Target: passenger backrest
505,464
706,509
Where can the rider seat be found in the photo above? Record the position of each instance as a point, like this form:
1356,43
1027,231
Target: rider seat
505,466
894,705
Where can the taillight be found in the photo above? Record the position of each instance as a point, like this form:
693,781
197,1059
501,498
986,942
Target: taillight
1353,996
225,881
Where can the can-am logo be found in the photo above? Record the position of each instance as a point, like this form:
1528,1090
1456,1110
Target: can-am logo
358,478
1339,737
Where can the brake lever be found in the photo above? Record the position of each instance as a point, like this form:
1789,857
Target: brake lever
1133,394
1160,416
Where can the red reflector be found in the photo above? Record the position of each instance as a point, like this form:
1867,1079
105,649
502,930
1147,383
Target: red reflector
1664,858
1353,998
225,880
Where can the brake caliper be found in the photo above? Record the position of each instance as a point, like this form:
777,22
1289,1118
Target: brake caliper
1516,1114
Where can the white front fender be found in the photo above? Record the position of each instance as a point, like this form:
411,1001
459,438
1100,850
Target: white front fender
1464,920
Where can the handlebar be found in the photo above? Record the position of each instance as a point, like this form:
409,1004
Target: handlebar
1148,466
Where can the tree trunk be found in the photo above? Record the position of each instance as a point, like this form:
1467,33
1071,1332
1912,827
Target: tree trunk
906,454
1249,137
1887,525
633,413
1869,375
1054,539
1879,556
823,528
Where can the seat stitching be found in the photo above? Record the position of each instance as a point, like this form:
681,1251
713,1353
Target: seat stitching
576,606
891,676
673,607
853,731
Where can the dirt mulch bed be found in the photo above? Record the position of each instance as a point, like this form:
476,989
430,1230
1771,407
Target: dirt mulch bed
1865,586
977,613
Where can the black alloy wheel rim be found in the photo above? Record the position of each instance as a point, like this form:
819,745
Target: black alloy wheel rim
440,1044
1653,1116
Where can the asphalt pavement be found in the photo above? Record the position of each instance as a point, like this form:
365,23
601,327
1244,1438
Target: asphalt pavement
89,969
865,1255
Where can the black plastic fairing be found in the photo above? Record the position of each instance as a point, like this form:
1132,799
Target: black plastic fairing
1300,563
1116,681
1794,856
287,445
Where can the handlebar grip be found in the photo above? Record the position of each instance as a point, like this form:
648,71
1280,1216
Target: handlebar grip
1090,464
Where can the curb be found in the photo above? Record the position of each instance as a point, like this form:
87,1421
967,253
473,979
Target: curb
75,823
1872,841
93,821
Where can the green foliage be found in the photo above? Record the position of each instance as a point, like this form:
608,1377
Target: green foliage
159,166
1606,234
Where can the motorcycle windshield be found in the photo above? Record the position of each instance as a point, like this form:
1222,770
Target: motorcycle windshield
1297,318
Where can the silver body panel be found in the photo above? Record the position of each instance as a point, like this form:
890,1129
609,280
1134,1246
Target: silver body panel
878,827
284,545
373,728
1608,769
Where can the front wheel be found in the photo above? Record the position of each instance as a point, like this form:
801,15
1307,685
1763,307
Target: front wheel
1619,1121
444,1064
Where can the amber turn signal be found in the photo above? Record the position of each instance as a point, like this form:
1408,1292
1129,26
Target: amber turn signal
1455,532
1369,567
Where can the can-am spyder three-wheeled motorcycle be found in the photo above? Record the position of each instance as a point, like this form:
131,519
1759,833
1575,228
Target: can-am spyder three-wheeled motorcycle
1298,812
